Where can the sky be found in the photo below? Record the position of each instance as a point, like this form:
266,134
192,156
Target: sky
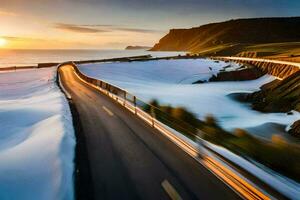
115,24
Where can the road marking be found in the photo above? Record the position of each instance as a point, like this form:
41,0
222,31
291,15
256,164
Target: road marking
170,190
108,111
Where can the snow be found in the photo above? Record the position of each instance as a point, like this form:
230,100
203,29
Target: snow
169,81
37,137
157,71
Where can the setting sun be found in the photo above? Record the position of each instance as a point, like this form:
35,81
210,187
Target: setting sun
2,42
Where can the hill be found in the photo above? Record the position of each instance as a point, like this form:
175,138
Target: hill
264,36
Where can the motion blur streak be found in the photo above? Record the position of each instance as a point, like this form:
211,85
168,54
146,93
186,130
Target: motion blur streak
241,186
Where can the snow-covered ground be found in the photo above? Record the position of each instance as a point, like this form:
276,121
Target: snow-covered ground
169,81
36,137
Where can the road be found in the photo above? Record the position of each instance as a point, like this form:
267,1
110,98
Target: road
130,160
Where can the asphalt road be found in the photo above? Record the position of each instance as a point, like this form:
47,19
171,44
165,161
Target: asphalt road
130,160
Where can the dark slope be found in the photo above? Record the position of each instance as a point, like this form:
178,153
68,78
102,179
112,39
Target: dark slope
231,36
280,96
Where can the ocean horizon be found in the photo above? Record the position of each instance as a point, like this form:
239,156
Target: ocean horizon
31,57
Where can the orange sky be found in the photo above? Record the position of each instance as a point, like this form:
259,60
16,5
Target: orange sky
22,31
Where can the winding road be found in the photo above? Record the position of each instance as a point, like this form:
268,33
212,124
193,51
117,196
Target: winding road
130,160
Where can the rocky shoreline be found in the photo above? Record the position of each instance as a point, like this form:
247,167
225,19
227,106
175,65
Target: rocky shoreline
245,73
277,96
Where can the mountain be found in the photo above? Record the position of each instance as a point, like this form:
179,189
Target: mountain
235,36
136,47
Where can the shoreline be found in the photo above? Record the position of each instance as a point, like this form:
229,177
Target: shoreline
146,57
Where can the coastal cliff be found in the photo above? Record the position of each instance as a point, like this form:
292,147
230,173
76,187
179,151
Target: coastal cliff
235,36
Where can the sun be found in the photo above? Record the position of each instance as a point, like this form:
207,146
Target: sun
3,42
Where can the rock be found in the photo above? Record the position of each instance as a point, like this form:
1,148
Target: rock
278,96
250,73
295,129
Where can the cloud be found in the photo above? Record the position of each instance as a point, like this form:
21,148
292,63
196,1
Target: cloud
78,28
15,39
41,43
97,25
7,13
96,28
137,30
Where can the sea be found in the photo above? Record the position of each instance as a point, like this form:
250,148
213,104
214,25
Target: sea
20,58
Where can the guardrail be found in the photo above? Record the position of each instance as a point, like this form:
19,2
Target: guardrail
178,132
59,83
260,60
280,69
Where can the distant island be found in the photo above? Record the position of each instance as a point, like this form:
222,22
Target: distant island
256,37
137,47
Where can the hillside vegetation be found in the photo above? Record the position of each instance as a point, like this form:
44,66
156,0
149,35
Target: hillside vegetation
263,36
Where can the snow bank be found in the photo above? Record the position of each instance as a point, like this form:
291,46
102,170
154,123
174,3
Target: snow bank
158,71
37,137
169,81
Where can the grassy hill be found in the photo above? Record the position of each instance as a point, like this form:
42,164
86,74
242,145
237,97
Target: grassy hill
259,37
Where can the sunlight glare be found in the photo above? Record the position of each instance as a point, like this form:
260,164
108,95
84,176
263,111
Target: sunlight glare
2,42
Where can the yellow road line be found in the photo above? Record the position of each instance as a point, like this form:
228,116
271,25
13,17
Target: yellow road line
108,111
170,190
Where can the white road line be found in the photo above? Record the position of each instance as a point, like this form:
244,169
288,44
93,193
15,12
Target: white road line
170,190
108,111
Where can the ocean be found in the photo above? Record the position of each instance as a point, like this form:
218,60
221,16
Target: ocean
11,58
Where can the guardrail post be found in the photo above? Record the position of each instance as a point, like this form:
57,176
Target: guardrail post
134,101
152,113
124,98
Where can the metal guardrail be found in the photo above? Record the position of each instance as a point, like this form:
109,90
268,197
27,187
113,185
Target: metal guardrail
234,58
173,129
278,68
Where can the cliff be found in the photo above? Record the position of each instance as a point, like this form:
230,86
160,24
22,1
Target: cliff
233,37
